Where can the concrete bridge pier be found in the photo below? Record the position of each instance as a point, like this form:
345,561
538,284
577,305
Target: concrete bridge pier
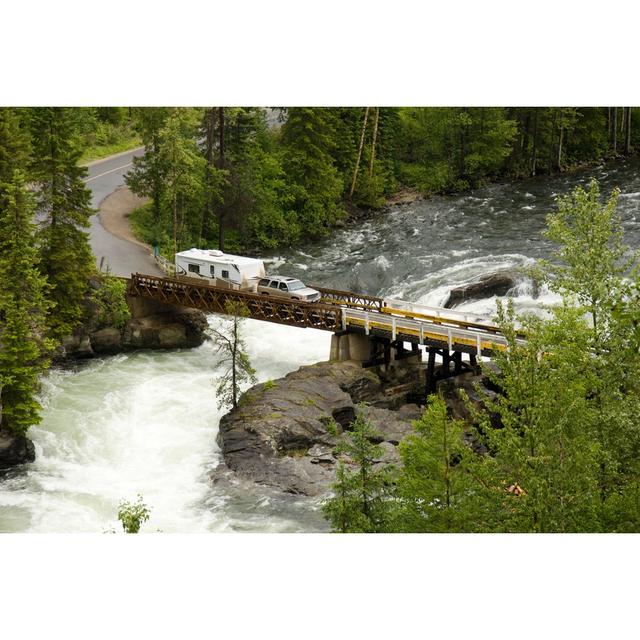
373,351
350,346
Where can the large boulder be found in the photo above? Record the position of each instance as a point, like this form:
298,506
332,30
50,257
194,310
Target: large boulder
15,449
492,284
108,340
278,435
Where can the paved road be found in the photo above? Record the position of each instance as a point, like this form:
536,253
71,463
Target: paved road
123,257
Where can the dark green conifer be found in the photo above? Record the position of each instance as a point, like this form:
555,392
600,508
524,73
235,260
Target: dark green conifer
23,307
64,202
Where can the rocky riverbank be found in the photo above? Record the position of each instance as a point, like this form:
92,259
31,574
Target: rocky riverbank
152,325
278,435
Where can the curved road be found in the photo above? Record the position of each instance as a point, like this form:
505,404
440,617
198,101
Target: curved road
123,257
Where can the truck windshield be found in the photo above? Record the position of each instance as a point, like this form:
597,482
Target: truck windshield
295,285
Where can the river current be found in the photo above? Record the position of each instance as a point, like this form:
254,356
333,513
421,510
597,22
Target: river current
145,423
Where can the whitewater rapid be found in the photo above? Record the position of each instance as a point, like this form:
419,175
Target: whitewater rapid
145,423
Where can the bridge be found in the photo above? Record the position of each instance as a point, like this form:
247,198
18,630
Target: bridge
366,328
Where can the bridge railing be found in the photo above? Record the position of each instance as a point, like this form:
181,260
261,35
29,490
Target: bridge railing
166,265
350,299
425,332
215,300
440,316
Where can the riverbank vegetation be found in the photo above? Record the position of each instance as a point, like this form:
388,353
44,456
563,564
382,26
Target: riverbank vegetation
565,457
231,178
46,263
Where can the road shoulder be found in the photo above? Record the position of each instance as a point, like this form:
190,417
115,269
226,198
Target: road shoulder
114,214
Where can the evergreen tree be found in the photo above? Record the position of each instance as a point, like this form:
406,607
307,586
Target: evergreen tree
183,168
360,503
23,308
146,177
308,137
230,344
63,202
436,491
14,145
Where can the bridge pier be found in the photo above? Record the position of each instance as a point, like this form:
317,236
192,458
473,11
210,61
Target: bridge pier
373,351
350,346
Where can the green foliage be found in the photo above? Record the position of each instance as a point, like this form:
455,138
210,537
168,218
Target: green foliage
360,494
308,137
24,350
269,384
133,514
436,489
455,148
261,188
231,347
15,144
548,444
590,256
566,455
63,201
110,297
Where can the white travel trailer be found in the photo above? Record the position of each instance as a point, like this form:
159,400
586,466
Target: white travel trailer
220,269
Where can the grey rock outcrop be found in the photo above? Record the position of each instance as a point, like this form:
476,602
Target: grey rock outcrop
278,435
151,327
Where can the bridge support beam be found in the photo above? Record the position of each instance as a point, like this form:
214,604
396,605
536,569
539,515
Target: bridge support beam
350,346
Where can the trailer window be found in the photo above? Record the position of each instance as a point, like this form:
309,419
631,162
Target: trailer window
225,274
194,268
274,284
212,270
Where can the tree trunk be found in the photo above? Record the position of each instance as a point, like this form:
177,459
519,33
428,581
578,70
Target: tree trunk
559,156
550,154
463,149
534,148
222,163
234,380
157,184
627,131
357,167
210,133
175,224
373,143
614,129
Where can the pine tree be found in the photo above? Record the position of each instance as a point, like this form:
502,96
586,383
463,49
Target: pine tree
230,344
183,167
436,491
360,503
14,144
23,308
146,177
64,203
309,139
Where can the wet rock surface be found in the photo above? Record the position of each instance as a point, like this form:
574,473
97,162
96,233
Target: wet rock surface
15,449
153,328
278,435
492,284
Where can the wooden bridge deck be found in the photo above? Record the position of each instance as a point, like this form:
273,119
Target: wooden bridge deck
338,312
